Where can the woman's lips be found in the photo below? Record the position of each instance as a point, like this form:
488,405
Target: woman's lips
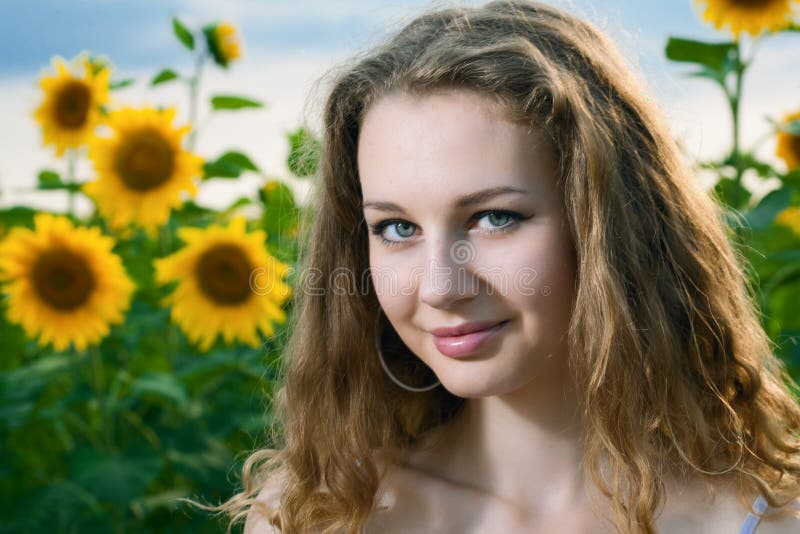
465,344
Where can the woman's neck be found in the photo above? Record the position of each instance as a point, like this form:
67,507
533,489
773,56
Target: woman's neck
524,447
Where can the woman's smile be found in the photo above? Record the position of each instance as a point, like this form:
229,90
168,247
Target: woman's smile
465,344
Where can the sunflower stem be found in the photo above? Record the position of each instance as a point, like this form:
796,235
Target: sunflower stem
734,100
194,91
102,400
71,163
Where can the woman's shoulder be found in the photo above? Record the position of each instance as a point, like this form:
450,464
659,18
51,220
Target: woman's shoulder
783,524
269,495
693,508
396,487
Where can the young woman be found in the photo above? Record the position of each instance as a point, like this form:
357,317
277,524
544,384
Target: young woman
518,312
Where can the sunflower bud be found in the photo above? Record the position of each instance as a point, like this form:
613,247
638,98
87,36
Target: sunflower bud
223,43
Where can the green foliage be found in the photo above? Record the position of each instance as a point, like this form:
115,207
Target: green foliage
303,152
229,165
182,33
164,76
771,249
715,60
121,84
231,102
49,179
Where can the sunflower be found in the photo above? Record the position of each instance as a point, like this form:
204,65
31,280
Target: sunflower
63,282
228,284
70,111
142,168
789,144
223,43
751,16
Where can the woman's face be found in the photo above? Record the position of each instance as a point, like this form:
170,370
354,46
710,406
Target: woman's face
466,225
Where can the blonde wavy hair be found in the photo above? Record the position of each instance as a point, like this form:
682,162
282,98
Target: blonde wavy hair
666,346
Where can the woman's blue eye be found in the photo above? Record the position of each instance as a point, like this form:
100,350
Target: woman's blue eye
495,213
404,229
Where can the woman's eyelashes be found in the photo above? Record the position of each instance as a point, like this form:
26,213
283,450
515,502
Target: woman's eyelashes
403,229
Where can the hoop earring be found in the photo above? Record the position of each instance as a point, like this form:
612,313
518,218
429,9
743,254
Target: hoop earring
394,378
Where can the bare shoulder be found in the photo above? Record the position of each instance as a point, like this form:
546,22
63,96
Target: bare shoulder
408,501
270,495
789,523
691,507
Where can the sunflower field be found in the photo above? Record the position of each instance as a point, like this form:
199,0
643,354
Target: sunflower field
141,344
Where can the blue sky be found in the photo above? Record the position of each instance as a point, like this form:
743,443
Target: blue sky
136,32
289,45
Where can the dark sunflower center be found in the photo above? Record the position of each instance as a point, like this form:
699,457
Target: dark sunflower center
794,145
223,274
144,160
62,279
72,105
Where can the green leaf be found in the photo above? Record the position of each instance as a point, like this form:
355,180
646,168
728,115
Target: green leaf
304,151
229,165
762,216
239,159
281,214
120,84
238,203
164,76
182,33
221,169
116,479
17,216
191,213
732,193
792,177
21,387
715,56
49,180
749,161
161,385
711,74
221,102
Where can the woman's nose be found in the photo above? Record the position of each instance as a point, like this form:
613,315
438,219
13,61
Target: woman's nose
447,276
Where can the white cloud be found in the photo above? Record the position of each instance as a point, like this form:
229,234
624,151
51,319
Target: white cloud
282,83
695,110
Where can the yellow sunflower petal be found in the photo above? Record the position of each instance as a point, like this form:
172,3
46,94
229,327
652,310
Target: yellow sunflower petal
216,293
70,110
750,16
788,148
790,217
64,285
142,169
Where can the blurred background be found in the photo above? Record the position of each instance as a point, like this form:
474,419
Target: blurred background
287,46
148,238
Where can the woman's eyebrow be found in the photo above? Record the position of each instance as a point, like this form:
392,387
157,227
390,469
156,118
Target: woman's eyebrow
462,202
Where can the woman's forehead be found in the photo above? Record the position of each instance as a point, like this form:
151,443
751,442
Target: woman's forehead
448,145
